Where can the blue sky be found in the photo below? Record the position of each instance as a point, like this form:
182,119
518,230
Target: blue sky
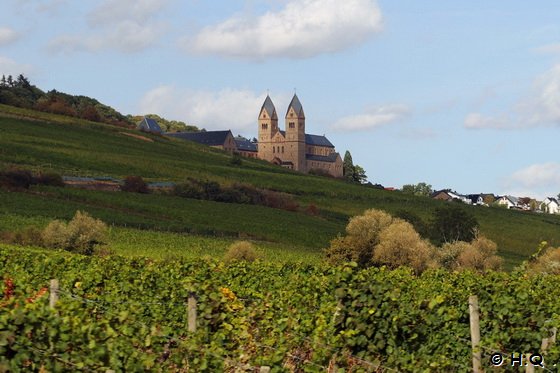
461,95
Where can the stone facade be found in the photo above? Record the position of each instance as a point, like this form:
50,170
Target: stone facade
293,148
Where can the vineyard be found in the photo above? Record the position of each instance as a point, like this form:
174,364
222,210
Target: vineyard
125,314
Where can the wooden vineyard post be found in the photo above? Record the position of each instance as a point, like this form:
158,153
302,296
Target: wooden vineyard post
546,342
53,293
191,311
475,333
530,368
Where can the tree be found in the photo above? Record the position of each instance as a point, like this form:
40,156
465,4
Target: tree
453,223
359,176
3,82
489,199
348,166
420,189
353,173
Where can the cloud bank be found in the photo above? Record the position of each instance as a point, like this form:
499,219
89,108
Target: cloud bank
303,28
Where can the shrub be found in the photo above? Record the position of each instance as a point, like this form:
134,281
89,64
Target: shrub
279,200
135,184
547,263
241,250
29,236
362,235
312,210
83,234
419,225
189,189
479,255
16,179
400,245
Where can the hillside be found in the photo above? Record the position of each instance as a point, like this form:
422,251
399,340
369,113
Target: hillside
75,147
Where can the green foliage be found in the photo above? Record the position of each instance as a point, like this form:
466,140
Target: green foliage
417,222
129,315
21,93
82,235
352,173
420,189
453,223
241,250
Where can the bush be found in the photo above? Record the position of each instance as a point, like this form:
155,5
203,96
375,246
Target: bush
241,250
29,236
362,235
135,184
547,263
83,234
400,245
479,255
189,189
419,225
16,179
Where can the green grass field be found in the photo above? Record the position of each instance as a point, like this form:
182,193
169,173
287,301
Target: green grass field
47,142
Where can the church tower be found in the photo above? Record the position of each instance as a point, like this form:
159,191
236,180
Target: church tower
295,135
268,127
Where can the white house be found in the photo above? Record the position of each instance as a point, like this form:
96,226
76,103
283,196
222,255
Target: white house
509,201
551,205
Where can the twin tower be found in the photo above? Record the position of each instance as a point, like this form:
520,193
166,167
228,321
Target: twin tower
286,148
293,148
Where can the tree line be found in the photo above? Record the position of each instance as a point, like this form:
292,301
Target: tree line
21,93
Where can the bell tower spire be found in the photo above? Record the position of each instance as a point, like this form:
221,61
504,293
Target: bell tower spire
268,127
295,134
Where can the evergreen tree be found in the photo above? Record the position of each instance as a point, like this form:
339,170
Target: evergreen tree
348,166
10,81
3,82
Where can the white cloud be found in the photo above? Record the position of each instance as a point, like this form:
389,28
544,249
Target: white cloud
540,108
537,180
8,36
303,28
374,118
11,67
227,109
127,26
